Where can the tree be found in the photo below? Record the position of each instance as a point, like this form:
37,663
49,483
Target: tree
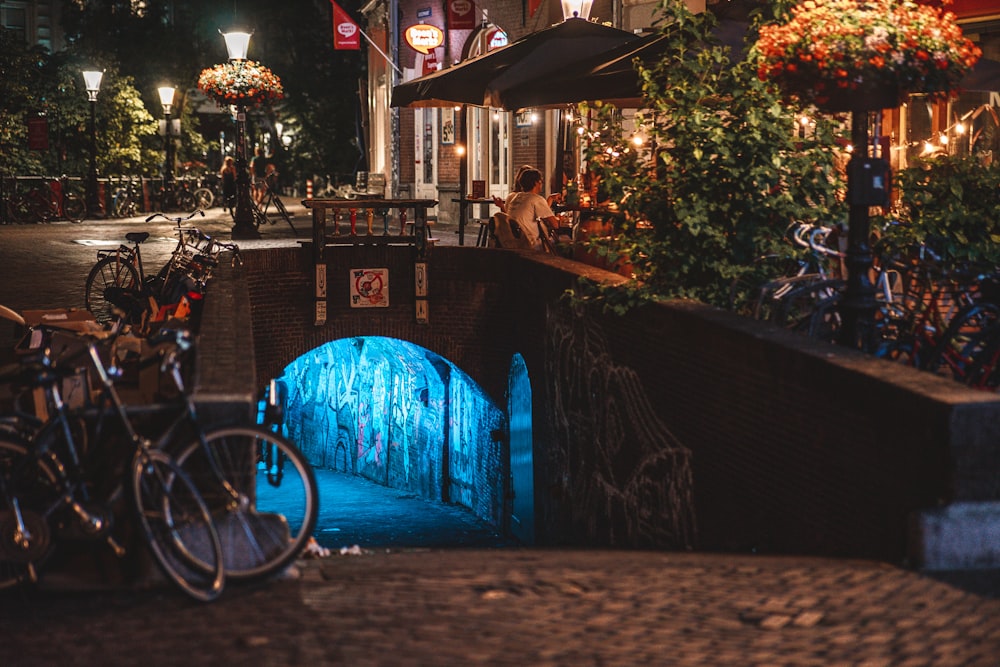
721,175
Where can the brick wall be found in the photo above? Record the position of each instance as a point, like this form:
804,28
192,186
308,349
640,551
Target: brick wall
677,425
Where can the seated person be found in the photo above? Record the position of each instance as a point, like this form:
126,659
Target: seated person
531,212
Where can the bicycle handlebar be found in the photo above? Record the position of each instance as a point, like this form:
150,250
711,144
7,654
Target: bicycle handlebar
177,220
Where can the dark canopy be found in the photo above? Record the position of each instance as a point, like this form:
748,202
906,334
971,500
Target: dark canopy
538,55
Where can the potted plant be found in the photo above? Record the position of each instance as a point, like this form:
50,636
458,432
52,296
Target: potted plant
245,82
864,54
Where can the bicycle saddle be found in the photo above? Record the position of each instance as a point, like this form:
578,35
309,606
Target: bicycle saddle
137,237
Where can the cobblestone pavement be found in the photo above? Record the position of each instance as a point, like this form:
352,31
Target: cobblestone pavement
460,606
526,607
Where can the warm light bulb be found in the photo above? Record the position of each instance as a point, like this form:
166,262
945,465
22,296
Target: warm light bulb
804,121
960,128
637,140
579,130
928,148
459,149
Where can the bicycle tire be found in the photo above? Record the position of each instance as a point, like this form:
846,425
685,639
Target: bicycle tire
19,563
123,206
74,208
19,209
960,341
983,369
186,201
110,271
204,198
262,492
178,525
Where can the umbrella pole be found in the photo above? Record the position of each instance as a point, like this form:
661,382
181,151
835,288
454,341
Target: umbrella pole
463,175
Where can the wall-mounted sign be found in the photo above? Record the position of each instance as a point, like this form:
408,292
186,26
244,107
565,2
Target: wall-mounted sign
424,13
423,37
38,134
495,39
461,15
369,288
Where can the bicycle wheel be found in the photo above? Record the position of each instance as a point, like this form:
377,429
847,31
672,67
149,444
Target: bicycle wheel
110,271
74,208
263,495
35,486
177,525
186,201
19,209
123,206
203,198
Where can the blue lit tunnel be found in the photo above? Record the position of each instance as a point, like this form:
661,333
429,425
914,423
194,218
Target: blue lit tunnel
404,417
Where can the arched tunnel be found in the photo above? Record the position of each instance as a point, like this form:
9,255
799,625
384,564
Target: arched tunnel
408,450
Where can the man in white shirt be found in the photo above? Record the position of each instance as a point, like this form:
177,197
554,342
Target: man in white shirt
531,211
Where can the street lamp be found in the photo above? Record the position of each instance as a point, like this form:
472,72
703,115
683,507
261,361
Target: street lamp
92,80
576,9
167,100
237,43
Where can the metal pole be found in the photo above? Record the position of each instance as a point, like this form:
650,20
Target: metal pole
243,218
168,151
93,201
857,310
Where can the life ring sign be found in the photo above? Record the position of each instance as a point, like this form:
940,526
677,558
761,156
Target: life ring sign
369,288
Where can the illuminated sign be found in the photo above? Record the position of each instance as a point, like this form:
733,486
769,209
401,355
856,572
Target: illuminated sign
495,39
423,37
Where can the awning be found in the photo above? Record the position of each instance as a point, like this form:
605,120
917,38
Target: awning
538,55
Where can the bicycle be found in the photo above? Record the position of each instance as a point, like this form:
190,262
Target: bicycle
270,198
50,488
125,203
47,200
121,271
174,196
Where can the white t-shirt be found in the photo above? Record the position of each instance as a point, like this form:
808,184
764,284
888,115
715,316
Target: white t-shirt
526,208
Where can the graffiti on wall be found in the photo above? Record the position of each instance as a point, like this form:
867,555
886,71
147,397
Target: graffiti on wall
378,407
626,477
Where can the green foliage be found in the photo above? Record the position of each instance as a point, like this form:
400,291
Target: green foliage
721,174
144,45
952,203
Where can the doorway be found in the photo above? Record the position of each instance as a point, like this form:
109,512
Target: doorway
522,471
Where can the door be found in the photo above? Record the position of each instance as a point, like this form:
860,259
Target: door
489,150
426,152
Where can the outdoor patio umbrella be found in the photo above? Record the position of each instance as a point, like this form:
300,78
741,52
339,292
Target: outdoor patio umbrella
609,76
540,54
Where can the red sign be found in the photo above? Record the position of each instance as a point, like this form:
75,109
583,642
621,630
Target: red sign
461,15
38,134
424,38
346,33
431,62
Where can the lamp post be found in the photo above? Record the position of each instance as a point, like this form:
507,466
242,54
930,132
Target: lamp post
92,80
237,44
167,100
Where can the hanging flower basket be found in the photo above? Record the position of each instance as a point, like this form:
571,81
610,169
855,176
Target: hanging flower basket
850,55
240,82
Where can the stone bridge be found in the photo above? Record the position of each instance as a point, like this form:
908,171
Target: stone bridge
677,426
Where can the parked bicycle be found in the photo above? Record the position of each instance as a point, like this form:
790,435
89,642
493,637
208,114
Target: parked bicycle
270,198
118,287
54,486
35,199
126,201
